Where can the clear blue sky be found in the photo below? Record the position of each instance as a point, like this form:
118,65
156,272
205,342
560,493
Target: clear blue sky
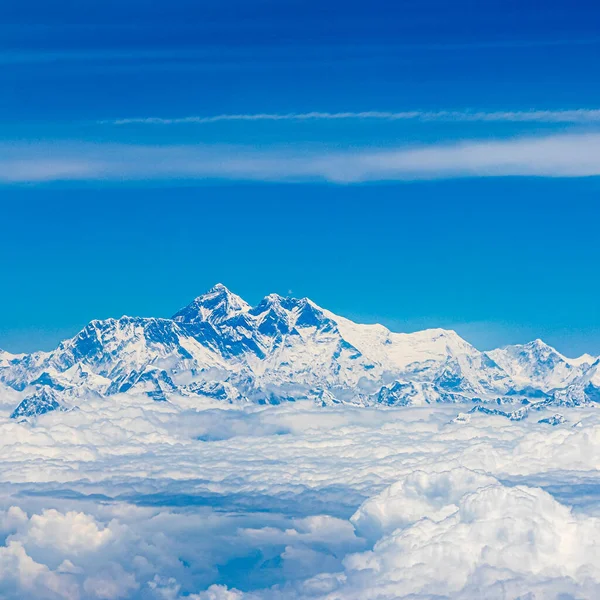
450,178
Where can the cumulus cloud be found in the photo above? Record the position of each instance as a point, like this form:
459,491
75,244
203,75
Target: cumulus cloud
496,535
72,533
21,576
421,494
134,499
218,592
564,155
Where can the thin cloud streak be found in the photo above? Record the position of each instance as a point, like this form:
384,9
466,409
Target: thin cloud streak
550,156
583,115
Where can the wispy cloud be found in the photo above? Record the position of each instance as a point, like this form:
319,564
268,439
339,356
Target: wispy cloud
583,115
549,156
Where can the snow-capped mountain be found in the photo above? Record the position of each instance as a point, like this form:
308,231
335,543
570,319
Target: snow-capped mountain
285,349
106,351
539,365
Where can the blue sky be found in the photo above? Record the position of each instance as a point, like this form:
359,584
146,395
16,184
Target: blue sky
415,163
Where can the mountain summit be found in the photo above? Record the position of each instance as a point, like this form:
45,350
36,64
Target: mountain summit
215,306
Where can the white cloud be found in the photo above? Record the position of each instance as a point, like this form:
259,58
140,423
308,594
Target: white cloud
124,499
421,494
582,115
496,534
575,155
72,533
21,576
218,592
111,585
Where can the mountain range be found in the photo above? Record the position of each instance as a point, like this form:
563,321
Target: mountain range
283,350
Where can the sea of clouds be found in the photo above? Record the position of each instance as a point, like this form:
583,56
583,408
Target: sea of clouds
134,499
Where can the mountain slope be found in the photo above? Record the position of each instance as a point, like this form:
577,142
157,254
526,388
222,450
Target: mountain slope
105,351
435,355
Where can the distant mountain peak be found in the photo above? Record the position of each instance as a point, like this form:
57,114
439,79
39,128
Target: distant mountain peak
541,351
539,344
219,288
536,364
274,298
215,306
585,359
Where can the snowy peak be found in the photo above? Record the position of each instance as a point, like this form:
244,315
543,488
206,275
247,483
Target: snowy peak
540,350
271,318
584,359
225,323
536,364
215,306
276,314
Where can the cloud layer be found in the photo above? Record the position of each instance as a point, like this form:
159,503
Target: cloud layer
574,155
134,499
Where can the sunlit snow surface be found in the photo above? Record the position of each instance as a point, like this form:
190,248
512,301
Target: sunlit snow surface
130,498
